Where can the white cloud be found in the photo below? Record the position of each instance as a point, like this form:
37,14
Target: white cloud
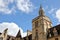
12,28
22,5
6,10
23,33
4,6
58,14
52,10
55,14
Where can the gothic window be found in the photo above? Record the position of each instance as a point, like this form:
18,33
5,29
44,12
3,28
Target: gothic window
49,33
55,32
46,26
56,38
36,35
36,24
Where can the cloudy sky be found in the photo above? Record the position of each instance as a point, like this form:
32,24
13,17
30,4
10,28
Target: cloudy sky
18,14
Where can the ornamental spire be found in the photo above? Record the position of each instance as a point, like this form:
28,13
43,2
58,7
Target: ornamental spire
41,11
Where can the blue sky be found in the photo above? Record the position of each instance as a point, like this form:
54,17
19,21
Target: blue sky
21,12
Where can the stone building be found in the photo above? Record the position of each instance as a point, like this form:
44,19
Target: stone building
5,36
42,29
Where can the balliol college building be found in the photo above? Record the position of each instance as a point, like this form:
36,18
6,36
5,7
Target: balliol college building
42,29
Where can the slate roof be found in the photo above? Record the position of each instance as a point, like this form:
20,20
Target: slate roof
50,31
29,37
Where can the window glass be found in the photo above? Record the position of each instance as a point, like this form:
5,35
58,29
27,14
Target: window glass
55,32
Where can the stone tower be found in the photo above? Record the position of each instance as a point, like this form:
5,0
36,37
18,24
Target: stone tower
40,25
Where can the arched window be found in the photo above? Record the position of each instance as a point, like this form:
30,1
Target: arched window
36,24
55,32
49,33
36,35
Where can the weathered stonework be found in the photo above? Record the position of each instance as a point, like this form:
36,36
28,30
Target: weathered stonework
41,30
